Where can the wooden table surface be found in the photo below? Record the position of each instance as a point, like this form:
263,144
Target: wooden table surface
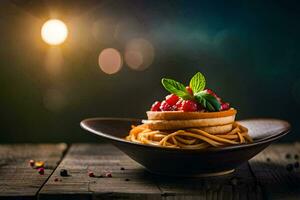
273,174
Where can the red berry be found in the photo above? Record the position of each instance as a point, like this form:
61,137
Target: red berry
189,106
164,106
41,171
179,103
174,108
189,90
172,99
108,174
177,106
209,91
155,106
225,106
91,174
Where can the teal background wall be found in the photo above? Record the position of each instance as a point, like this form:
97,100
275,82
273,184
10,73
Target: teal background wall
248,51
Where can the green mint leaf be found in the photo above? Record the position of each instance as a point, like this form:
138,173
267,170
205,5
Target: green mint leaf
213,101
175,87
197,83
210,107
208,101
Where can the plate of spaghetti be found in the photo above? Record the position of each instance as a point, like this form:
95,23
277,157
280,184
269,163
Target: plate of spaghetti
192,132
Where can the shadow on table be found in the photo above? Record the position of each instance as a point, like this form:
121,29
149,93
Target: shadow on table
236,181
264,179
278,179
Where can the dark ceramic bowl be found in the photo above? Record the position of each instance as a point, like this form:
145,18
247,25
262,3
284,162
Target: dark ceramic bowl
188,162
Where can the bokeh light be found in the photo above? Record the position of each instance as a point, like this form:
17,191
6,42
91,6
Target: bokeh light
139,54
110,61
54,32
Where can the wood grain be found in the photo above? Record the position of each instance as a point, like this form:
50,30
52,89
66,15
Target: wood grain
264,177
82,158
270,169
17,178
238,185
100,159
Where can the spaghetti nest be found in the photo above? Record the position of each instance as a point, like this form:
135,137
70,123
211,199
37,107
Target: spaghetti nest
192,138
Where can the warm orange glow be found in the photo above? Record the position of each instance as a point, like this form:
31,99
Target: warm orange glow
54,32
54,61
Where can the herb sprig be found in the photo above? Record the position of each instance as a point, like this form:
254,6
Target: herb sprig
197,84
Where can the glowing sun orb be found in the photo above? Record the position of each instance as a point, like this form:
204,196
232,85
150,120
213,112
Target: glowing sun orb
54,32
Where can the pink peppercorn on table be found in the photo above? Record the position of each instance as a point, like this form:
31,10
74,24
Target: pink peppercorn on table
101,171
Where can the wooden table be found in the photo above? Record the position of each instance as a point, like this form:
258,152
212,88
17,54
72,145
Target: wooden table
267,176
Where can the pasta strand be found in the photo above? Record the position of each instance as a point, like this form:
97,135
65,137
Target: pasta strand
193,138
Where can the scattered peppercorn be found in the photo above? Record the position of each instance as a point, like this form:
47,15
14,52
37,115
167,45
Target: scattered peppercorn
108,175
41,171
91,174
56,179
31,163
122,168
268,159
296,156
64,172
289,167
127,179
39,164
288,155
296,164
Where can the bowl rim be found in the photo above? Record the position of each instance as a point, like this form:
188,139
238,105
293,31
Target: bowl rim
233,147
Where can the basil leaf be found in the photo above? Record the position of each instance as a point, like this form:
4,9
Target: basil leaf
210,107
197,83
208,101
175,87
213,101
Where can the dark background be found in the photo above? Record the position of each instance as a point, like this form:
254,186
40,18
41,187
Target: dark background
248,51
